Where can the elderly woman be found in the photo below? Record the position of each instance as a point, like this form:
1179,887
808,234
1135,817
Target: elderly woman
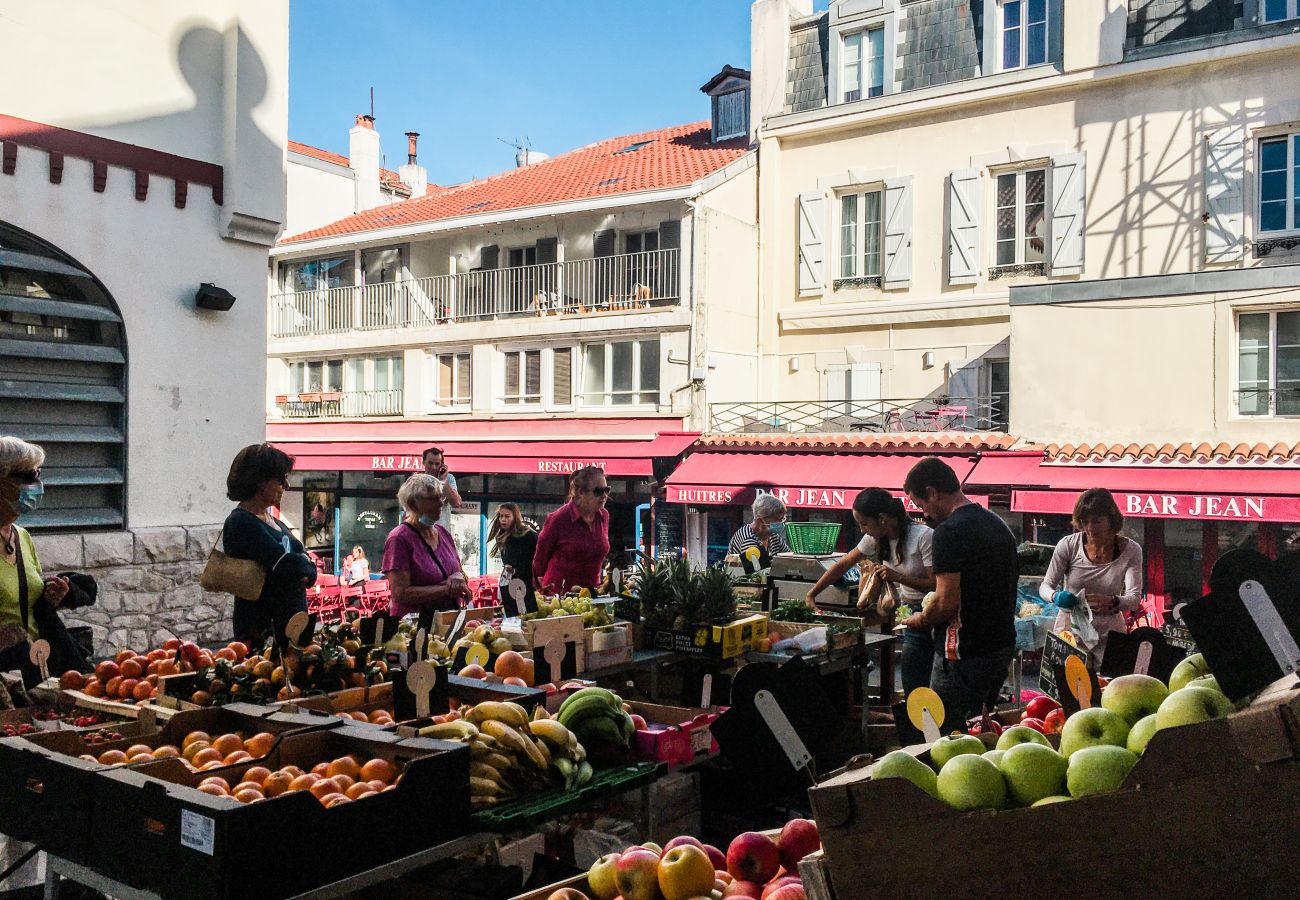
28,600
258,476
574,541
766,532
420,559
1096,565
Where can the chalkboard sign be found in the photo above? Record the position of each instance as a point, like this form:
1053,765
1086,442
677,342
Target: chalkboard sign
1178,636
1142,650
1055,651
670,528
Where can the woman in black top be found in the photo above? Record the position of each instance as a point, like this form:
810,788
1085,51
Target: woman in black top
515,543
257,480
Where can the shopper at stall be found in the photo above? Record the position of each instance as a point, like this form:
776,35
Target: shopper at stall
358,568
420,558
574,542
897,550
973,612
29,601
257,479
1096,567
514,543
435,465
766,532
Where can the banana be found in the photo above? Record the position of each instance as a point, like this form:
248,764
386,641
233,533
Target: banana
540,714
512,741
552,732
585,773
512,714
542,750
598,730
484,787
582,702
498,761
483,770
568,769
459,730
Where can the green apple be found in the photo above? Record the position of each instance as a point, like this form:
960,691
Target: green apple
954,745
1059,798
1141,732
970,782
1033,772
901,764
994,756
1098,769
1189,705
1093,727
600,877
1134,696
1206,681
1193,666
1021,734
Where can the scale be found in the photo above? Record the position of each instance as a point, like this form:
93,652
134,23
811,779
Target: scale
793,574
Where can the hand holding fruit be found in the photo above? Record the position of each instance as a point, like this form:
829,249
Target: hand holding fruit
1102,604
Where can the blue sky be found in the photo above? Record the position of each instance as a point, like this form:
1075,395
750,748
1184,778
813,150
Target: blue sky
562,73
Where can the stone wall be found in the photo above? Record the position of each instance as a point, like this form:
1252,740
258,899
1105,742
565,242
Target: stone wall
148,585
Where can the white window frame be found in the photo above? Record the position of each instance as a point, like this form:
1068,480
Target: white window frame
1272,365
731,99
1291,141
1020,174
865,64
1022,61
457,405
857,254
606,396
1292,12
301,386
546,400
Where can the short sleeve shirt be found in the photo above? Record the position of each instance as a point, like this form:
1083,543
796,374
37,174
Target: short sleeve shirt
977,545
405,550
445,518
916,558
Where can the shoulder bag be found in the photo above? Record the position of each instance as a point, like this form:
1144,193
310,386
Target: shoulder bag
224,574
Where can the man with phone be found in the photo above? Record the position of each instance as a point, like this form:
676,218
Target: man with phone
436,465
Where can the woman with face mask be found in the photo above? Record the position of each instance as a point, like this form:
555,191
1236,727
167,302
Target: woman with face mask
28,600
766,533
420,558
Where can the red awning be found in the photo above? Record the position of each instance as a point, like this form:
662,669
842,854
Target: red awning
802,480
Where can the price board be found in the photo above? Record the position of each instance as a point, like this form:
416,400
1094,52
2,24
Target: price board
1056,651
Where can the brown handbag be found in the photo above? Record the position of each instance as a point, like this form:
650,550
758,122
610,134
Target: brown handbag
224,574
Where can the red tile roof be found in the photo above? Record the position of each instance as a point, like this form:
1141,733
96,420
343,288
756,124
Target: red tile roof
958,442
386,176
670,157
1170,453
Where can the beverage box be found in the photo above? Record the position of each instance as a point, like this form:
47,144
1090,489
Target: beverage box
1209,808
170,838
45,787
676,733
715,641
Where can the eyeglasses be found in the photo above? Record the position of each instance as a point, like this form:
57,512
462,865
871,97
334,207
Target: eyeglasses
601,491
30,476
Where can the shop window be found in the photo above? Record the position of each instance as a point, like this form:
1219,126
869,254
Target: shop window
1268,363
621,373
1183,557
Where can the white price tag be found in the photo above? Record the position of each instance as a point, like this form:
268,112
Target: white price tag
198,832
706,695
1143,663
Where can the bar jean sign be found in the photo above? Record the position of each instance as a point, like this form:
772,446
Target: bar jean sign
796,497
1231,507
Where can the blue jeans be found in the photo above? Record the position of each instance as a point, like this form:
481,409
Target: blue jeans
918,659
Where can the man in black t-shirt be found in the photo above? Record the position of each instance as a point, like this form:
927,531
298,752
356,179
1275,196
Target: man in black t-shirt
973,613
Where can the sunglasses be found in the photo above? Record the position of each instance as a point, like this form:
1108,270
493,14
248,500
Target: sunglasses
30,476
601,491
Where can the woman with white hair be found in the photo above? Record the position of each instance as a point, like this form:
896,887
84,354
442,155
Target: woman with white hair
766,532
28,600
420,558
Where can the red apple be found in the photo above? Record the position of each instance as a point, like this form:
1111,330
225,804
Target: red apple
753,857
683,839
1039,707
717,857
1055,721
1036,724
793,891
798,838
740,888
638,722
773,886
637,874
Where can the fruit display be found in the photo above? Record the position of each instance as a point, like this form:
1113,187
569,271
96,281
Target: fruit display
343,780
132,677
198,750
576,604
513,754
18,730
600,720
756,866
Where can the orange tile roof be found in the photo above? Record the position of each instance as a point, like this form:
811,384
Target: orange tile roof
960,442
387,176
671,157
1170,453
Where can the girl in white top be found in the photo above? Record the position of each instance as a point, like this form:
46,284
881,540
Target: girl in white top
358,570
1096,565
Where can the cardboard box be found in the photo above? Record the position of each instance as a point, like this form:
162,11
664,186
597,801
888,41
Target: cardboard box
1209,809
717,641
684,733
166,836
741,635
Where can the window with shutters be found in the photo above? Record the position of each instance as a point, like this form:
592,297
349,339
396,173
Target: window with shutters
862,65
1020,219
63,381
1268,363
1279,10
620,373
541,377
452,381
861,244
1279,184
523,378
731,115
1023,33
562,376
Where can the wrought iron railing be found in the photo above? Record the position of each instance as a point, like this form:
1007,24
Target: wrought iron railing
622,283
928,414
341,404
1268,401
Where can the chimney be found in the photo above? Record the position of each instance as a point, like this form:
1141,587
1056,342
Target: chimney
769,54
363,158
413,175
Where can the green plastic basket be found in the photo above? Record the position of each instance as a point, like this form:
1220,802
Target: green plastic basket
812,538
528,812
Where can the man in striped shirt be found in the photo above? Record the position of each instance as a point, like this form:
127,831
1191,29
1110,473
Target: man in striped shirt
766,532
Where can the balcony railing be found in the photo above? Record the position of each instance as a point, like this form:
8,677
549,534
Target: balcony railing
340,404
627,282
970,414
1268,401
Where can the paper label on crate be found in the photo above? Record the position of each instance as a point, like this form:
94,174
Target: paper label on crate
1276,635
421,680
456,626
477,654
1143,662
701,740
782,730
198,832
1078,682
706,695
926,713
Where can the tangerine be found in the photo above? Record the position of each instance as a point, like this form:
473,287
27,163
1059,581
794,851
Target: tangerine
321,769
260,744
214,790
112,758
344,765
292,770
509,664
344,781
257,773
334,800
376,785
325,787
166,751
140,757
209,766
204,755
378,770
227,744
303,782
247,785
277,783
195,736
138,748
248,795
358,790
239,756
217,780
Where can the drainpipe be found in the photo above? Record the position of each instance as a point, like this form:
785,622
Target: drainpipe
690,335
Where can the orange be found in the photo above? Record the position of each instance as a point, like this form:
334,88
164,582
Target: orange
378,770
112,758
344,765
227,744
206,755
260,744
517,682
345,781
291,770
217,780
276,783
303,782
376,785
214,790
213,764
166,751
234,759
138,748
248,795
509,664
529,676
140,757
193,747
143,689
131,669
257,773
126,688
357,790
247,785
334,800
113,686
93,688
324,787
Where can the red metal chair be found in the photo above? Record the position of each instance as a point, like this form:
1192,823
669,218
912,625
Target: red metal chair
351,599
376,597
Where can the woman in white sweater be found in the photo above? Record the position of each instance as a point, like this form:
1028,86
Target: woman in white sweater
1096,565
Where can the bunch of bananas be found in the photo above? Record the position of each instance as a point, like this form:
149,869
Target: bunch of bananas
511,755
597,717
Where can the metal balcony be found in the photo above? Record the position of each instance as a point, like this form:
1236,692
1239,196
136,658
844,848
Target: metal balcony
930,414
340,404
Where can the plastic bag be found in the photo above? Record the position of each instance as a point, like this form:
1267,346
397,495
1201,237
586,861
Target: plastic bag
1081,624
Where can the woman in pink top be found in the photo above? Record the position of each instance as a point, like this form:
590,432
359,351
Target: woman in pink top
420,558
575,539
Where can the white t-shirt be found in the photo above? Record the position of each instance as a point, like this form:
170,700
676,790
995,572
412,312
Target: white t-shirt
445,519
917,556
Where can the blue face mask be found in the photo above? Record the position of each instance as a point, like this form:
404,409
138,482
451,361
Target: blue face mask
777,528
29,498
428,521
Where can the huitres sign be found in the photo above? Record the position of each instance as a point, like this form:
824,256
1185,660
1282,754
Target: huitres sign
797,497
1232,507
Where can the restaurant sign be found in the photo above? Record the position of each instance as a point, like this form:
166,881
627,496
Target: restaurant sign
1232,507
544,466
796,497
